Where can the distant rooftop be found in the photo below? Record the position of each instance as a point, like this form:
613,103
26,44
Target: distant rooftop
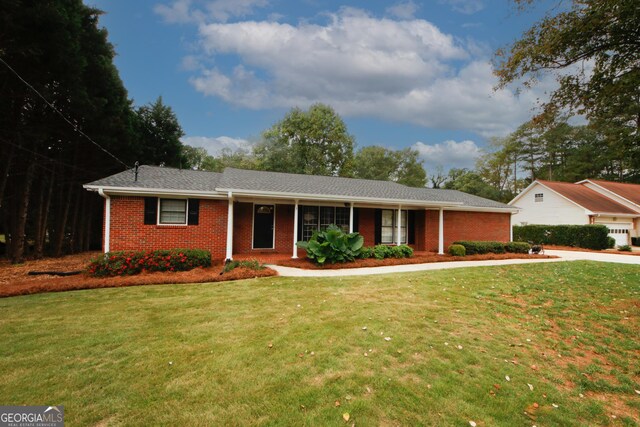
587,198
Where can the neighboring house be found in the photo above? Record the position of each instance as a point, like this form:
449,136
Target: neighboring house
243,211
612,204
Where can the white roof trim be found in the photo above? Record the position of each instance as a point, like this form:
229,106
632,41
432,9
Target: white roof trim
606,190
138,191
587,211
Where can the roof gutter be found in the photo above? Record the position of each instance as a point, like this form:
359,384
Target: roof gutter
137,191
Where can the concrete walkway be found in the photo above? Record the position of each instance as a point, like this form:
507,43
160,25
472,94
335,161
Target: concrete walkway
564,256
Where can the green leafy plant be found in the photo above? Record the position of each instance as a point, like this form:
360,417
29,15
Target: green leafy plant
624,248
332,245
250,264
481,247
517,247
611,242
124,263
366,252
457,250
582,236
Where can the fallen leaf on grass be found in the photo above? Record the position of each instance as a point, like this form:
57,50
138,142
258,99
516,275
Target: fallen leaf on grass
530,386
387,338
337,403
472,423
506,377
346,416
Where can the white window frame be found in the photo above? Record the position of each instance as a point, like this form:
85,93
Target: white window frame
318,224
538,197
253,225
186,212
394,234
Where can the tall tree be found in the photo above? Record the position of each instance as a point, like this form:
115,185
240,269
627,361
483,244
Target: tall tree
402,166
593,46
314,142
160,133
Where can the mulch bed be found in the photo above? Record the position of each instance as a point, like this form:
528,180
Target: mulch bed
14,279
307,264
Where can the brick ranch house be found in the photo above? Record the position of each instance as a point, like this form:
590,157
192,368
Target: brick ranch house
244,211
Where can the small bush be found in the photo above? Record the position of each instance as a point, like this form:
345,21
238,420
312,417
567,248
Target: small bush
611,242
250,264
366,252
382,251
332,245
624,248
457,250
125,263
517,247
583,236
480,247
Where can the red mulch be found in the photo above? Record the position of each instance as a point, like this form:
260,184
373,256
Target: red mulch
15,281
423,258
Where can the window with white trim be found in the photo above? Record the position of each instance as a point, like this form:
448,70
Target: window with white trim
172,211
538,197
316,218
389,227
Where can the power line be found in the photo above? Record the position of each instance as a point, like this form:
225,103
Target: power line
75,127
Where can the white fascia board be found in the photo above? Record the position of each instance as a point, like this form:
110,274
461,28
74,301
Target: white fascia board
303,196
512,211
618,215
126,191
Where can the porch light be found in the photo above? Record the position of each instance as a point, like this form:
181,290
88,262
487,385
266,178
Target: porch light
264,210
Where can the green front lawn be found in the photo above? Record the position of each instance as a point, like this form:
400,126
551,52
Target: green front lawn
277,351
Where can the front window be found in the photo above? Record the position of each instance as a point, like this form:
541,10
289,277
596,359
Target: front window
173,211
316,218
389,227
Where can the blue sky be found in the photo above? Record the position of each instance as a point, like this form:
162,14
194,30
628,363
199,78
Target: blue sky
401,74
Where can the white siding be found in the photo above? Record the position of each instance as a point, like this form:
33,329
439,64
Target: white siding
553,210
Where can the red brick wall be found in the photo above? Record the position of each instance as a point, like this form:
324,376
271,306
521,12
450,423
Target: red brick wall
420,230
366,225
467,226
128,231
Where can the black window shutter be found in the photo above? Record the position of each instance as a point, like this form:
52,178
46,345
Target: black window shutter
411,227
356,219
150,210
377,225
194,211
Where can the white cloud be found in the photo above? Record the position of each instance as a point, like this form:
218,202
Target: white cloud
199,11
405,10
398,70
468,7
448,154
215,145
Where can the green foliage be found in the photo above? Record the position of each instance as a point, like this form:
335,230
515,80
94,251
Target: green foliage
314,142
481,247
582,236
457,250
470,182
332,245
402,166
517,247
611,242
602,33
159,135
365,252
123,263
386,251
624,248
250,264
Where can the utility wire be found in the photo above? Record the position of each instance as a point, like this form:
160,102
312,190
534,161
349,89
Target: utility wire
75,127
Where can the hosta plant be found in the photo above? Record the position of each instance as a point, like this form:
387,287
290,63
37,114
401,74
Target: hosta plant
332,245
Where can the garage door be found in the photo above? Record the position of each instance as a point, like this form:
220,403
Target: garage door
620,232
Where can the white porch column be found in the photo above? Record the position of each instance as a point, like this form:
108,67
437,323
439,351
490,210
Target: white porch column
295,231
229,255
107,220
399,229
441,232
510,228
351,218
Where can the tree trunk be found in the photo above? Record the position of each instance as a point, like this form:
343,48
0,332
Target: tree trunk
18,226
4,171
58,241
43,217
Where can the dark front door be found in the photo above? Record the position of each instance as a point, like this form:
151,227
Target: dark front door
263,226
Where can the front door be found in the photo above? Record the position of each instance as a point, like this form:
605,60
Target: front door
263,216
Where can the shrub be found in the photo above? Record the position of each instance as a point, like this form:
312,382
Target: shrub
457,250
250,264
611,242
332,245
381,251
366,252
583,236
129,262
517,247
624,248
480,247
401,251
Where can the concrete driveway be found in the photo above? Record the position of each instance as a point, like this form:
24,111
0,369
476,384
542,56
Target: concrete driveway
564,256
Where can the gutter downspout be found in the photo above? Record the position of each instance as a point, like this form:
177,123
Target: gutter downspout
107,220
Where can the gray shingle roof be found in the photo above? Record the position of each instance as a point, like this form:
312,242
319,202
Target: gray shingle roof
162,178
153,177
